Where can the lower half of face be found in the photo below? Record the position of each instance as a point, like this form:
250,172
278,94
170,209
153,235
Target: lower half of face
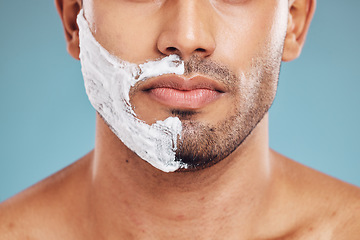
237,79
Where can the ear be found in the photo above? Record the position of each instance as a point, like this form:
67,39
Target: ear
301,13
68,11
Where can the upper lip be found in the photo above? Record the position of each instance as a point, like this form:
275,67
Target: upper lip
183,83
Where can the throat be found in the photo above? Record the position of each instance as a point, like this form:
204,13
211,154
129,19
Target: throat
178,204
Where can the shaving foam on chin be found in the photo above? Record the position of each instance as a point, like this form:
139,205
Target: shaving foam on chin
108,80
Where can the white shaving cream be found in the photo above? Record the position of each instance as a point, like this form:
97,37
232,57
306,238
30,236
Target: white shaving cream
108,80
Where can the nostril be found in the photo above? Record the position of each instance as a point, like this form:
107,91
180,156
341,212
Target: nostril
200,50
171,49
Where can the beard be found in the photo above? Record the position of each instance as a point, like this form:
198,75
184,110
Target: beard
203,145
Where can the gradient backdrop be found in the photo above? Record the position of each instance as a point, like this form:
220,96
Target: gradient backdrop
46,121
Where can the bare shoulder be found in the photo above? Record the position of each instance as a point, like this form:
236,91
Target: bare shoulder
348,220
39,210
324,202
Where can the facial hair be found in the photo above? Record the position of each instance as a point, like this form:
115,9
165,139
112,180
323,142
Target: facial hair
203,145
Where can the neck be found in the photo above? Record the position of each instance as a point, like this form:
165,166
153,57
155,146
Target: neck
132,198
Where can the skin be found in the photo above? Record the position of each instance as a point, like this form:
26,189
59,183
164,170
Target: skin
253,193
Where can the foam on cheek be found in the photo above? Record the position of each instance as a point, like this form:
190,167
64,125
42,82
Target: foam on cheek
108,80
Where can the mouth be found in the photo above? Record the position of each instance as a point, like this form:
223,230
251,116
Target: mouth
183,93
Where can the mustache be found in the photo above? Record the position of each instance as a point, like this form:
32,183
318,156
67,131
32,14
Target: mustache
211,69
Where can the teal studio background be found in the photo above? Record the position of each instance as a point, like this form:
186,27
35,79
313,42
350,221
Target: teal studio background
46,121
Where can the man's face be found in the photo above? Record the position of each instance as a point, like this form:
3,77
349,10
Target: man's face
236,44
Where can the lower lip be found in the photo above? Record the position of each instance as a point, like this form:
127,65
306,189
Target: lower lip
190,99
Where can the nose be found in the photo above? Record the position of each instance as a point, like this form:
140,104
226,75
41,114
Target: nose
187,29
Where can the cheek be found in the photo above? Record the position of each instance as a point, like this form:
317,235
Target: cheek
124,32
250,32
